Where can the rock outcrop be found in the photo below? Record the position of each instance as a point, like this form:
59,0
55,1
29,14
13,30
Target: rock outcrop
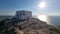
29,26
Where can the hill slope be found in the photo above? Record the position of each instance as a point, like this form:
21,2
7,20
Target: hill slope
29,26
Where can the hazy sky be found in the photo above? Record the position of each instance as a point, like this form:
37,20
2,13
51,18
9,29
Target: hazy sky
9,7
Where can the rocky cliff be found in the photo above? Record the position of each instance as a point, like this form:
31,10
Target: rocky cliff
29,26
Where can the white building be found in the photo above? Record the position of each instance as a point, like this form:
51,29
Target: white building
22,15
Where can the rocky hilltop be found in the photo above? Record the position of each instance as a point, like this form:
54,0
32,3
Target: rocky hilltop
29,26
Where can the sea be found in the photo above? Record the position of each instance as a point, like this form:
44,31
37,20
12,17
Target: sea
51,20
3,17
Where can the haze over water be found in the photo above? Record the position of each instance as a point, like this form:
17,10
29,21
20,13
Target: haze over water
53,20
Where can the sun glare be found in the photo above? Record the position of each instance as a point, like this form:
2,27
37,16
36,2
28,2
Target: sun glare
42,5
42,17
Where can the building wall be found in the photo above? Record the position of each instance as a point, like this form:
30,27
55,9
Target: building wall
22,15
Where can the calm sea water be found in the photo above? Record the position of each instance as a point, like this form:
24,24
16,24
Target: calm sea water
5,16
53,20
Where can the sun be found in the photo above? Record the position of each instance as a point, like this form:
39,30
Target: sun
42,4
42,17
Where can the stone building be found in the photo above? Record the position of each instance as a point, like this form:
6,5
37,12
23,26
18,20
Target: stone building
22,14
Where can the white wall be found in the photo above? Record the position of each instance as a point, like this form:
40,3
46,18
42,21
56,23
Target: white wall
22,15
